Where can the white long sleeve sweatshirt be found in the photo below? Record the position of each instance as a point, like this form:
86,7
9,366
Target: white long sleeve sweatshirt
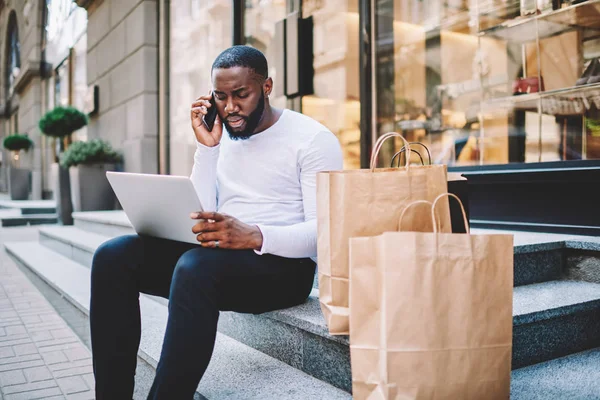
269,180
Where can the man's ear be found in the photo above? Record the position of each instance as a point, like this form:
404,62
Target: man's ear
268,86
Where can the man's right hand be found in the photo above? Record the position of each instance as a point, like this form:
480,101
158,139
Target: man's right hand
204,136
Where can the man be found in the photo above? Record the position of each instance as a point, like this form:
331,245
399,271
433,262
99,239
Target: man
255,174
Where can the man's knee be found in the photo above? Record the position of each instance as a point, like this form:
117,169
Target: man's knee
114,253
200,266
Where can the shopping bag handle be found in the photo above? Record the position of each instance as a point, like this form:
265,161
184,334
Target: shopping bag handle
379,144
414,151
462,208
402,151
426,149
414,203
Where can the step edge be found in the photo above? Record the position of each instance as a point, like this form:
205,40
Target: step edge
11,251
87,218
555,313
48,233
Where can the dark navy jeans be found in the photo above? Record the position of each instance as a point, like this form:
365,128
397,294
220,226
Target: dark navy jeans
199,283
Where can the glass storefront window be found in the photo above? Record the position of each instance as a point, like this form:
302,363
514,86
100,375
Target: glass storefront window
260,17
200,30
13,65
62,84
336,101
490,81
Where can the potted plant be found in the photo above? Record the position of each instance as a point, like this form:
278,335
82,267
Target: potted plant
59,124
18,178
87,163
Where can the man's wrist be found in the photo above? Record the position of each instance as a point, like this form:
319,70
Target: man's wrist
257,239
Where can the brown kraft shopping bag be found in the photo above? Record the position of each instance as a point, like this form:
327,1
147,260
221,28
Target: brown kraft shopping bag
431,315
365,202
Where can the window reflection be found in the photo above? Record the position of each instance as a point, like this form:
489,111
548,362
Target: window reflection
259,25
336,101
200,30
490,82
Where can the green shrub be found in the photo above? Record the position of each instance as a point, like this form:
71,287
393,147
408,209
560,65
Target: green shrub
593,126
62,121
17,142
92,152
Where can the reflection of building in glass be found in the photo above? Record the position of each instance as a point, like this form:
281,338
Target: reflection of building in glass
196,39
336,100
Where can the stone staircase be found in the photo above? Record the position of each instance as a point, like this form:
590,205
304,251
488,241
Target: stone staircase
288,354
27,212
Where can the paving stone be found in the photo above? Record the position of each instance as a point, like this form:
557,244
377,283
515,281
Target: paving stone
30,387
37,374
89,380
15,377
89,395
21,365
12,360
80,353
13,342
54,357
15,330
56,344
62,333
25,349
31,319
73,343
75,371
40,336
72,384
6,352
69,364
36,394
12,338
10,322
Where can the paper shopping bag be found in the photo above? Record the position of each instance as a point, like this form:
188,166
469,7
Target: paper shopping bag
431,315
365,203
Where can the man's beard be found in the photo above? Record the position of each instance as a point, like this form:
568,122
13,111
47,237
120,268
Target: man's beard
252,122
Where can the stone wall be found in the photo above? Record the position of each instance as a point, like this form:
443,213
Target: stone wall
123,62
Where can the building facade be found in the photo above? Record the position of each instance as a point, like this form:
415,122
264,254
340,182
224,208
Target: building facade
481,82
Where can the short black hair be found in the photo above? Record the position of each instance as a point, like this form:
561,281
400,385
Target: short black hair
243,56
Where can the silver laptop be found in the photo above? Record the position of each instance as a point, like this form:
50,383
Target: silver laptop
158,205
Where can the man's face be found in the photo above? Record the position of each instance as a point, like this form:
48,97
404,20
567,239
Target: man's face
240,98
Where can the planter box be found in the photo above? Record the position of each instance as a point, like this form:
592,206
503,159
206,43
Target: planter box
19,181
90,190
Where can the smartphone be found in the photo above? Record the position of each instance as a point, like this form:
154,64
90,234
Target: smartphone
209,118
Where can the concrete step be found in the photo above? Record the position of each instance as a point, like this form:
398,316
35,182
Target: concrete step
236,370
537,259
554,319
303,328
107,223
30,206
576,377
72,242
547,317
78,244
11,219
550,319
239,371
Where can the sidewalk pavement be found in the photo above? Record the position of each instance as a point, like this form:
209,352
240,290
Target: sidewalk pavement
40,355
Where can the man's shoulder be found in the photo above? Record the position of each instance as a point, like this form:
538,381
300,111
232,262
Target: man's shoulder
303,123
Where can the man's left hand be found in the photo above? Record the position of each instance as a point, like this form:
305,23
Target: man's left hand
226,232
